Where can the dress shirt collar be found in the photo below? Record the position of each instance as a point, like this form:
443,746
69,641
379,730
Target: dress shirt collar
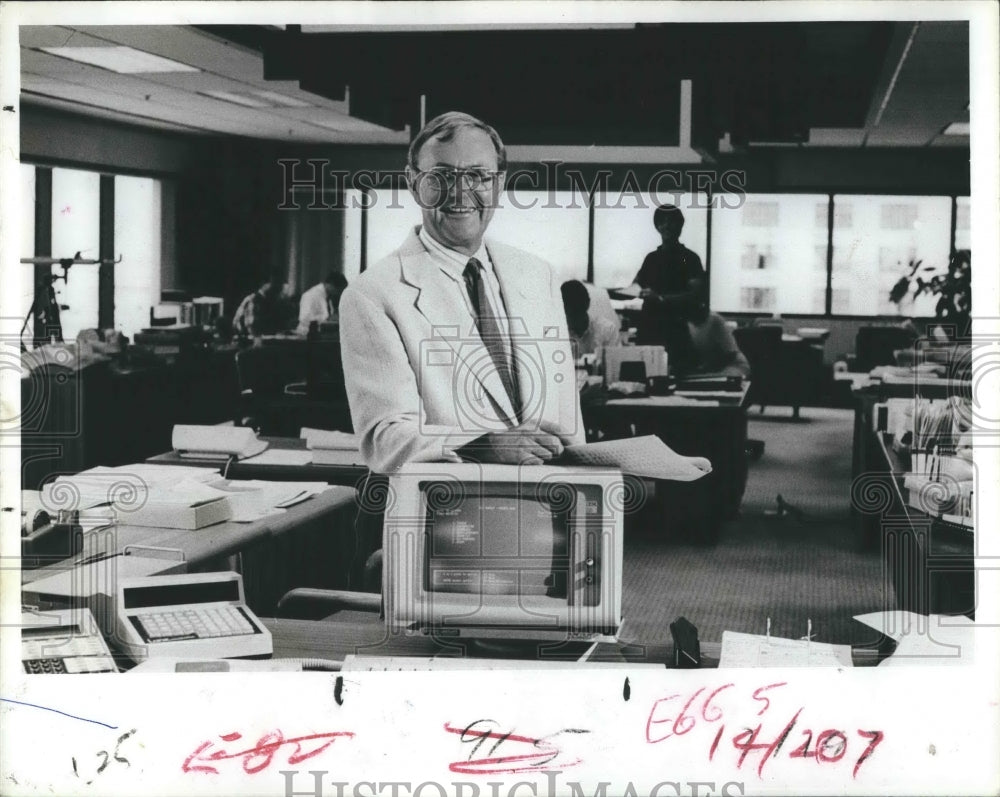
452,262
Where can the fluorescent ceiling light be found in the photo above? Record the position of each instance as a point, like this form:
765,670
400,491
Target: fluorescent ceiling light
238,99
124,60
274,98
957,129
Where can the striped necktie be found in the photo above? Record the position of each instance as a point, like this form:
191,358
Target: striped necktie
490,330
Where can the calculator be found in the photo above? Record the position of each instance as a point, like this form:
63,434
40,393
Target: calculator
188,615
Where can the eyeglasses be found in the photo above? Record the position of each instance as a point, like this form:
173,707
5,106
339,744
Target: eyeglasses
441,180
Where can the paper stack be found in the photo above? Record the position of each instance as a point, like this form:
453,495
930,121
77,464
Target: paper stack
141,495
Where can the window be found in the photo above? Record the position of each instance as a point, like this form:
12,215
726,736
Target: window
766,253
624,232
138,226
27,177
963,228
76,228
554,228
392,214
353,200
885,237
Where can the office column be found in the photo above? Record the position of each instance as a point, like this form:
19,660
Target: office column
106,247
43,243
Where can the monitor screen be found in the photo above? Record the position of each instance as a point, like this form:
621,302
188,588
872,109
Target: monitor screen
497,543
503,552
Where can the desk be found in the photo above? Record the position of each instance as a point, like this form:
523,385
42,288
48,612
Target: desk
930,560
336,638
712,428
868,465
272,548
348,473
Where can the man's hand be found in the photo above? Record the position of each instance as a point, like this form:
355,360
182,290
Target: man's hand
522,445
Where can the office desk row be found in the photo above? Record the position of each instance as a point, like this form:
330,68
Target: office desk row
713,425
270,550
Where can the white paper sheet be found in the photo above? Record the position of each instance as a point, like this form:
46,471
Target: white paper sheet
753,650
646,456
925,640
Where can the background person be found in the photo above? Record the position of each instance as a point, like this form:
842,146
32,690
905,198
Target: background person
588,334
319,303
672,283
715,348
263,312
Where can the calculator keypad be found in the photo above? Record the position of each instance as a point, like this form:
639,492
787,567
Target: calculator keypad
203,623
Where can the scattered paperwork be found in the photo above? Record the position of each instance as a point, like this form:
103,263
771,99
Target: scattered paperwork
924,640
753,650
125,487
133,489
646,456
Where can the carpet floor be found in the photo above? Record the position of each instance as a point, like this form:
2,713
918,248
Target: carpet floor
791,567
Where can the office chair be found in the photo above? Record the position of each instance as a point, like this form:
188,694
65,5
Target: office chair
310,603
271,380
877,346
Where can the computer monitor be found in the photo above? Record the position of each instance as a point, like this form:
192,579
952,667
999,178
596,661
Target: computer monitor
503,552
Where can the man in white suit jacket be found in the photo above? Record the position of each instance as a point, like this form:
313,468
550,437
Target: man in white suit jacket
421,383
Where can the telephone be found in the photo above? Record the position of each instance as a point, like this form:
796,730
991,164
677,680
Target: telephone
63,641
45,540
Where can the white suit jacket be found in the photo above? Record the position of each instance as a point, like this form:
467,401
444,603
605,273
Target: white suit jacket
419,380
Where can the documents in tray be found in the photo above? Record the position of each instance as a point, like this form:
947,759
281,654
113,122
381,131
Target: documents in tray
646,456
752,650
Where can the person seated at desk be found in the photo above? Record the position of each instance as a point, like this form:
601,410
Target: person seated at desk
588,334
263,312
671,283
715,348
319,303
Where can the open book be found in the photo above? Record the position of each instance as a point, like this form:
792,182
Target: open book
215,442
